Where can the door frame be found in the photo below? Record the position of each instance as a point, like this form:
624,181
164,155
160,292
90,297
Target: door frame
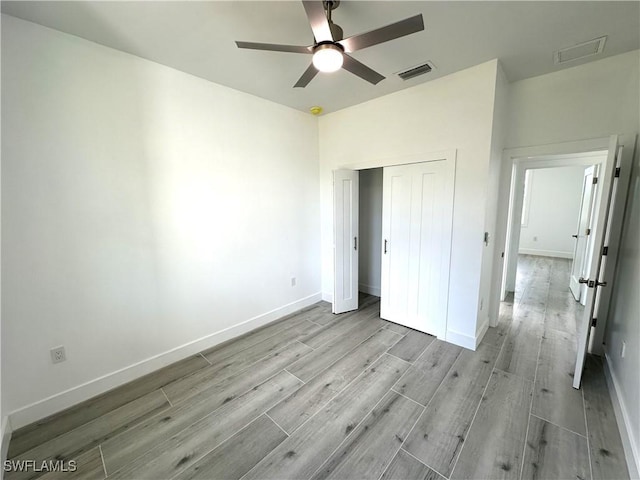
447,155
520,166
552,155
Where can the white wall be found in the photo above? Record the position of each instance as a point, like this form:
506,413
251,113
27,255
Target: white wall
454,112
370,215
553,210
489,307
144,211
593,100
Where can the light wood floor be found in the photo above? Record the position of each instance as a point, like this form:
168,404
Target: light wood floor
355,397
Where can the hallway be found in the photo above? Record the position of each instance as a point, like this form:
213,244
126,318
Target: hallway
539,325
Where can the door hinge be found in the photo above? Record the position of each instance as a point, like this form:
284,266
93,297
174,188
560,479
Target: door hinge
595,180
594,321
605,251
617,174
588,232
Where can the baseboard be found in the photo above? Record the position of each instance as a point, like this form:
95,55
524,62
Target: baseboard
481,331
5,438
58,402
461,339
629,443
545,253
371,290
327,297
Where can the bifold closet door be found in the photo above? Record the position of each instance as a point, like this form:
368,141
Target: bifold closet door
417,218
345,240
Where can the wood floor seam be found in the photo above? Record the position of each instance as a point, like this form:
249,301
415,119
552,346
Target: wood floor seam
423,463
410,399
398,358
350,434
559,426
338,393
276,423
165,396
207,360
408,433
535,378
104,467
194,422
302,343
303,382
484,391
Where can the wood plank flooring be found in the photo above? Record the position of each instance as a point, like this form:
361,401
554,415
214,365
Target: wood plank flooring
351,396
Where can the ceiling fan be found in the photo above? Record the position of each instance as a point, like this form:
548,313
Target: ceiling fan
330,50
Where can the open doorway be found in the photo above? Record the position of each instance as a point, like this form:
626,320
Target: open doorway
554,245
606,162
370,272
555,226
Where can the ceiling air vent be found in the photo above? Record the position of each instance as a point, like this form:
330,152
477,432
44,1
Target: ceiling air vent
417,70
582,50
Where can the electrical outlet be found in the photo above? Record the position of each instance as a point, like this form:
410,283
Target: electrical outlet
623,349
535,239
481,303
293,281
58,355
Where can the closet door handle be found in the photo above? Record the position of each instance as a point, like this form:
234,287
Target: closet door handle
385,247
355,243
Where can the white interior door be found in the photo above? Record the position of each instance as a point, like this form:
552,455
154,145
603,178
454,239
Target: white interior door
417,218
582,235
599,226
345,240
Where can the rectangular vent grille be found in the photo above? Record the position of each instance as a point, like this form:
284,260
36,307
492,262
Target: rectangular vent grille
582,50
416,71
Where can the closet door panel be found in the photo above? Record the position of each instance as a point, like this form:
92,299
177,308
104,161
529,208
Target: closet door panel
396,220
417,220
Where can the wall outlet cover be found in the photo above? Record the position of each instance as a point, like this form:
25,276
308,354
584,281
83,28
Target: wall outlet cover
58,354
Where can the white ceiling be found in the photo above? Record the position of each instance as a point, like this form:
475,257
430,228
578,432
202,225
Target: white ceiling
198,38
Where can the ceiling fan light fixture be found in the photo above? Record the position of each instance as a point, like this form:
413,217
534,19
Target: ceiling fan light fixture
327,57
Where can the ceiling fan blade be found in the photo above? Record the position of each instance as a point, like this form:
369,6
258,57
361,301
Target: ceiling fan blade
383,34
361,70
318,20
306,77
273,47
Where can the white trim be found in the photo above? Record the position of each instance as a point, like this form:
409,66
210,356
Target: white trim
545,253
5,439
629,444
60,401
371,290
462,339
402,160
526,198
327,297
482,330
